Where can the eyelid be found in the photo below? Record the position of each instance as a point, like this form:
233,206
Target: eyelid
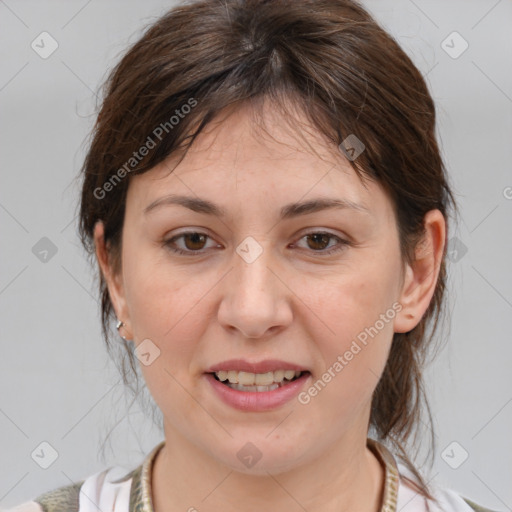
342,242
167,242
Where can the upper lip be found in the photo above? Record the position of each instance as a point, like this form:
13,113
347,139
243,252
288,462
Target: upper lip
269,365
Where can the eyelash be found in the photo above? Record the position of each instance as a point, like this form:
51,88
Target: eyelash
341,243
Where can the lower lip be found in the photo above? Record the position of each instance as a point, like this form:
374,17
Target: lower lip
257,400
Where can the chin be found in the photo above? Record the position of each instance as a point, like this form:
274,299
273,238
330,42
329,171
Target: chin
261,456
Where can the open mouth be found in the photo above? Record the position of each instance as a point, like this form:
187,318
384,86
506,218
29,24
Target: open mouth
257,382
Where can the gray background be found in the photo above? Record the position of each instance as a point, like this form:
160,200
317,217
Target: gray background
57,385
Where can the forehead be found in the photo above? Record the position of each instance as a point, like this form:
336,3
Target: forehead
247,152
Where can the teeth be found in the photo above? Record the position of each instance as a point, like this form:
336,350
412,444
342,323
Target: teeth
289,374
279,375
222,375
256,379
261,379
241,387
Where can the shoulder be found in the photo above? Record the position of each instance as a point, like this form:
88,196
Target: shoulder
476,507
63,498
448,500
106,490
452,500
115,489
58,500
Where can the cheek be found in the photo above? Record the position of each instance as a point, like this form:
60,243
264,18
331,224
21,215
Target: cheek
161,296
350,301
355,332
168,310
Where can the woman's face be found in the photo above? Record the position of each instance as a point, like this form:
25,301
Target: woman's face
316,289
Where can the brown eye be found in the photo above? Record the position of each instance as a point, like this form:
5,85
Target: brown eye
320,240
191,243
194,241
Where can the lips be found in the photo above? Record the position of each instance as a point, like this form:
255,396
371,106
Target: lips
257,386
269,365
257,398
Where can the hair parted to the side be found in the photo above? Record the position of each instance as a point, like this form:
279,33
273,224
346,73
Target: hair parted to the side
339,67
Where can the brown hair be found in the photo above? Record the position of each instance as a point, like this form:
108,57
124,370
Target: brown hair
343,71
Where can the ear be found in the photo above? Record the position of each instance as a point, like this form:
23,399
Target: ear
421,275
114,281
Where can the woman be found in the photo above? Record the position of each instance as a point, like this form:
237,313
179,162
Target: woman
266,200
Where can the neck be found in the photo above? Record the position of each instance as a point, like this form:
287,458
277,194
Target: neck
185,478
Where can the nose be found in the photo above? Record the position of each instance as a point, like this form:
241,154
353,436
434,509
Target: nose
255,300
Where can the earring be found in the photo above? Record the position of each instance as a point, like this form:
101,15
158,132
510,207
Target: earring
118,326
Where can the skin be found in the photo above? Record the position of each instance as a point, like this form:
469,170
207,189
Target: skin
292,303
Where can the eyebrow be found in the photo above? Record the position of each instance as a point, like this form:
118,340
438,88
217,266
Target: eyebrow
287,212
